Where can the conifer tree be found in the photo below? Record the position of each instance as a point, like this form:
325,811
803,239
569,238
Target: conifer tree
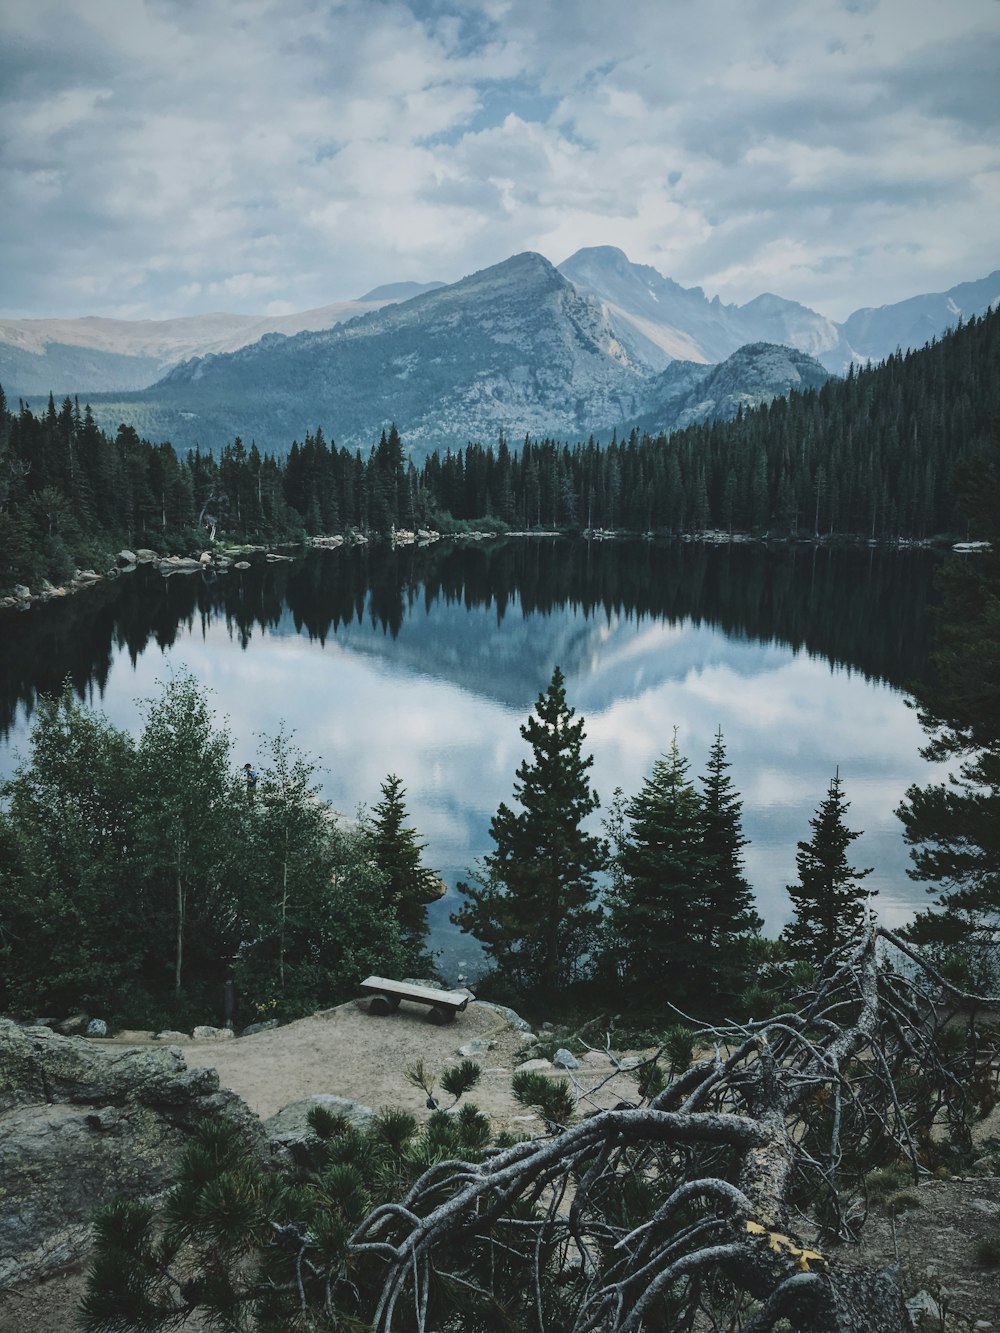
657,935
828,899
408,885
953,828
730,917
533,903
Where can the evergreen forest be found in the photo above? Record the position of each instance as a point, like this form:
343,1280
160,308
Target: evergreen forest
868,456
722,1196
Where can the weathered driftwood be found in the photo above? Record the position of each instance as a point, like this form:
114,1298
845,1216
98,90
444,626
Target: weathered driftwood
759,1154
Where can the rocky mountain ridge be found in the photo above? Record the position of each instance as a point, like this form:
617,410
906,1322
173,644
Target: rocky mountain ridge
521,348
512,348
654,319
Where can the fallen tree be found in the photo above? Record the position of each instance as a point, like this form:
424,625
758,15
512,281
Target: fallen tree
726,1198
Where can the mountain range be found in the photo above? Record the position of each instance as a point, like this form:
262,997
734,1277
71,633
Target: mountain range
597,344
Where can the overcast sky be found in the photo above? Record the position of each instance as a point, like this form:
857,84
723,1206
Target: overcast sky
172,157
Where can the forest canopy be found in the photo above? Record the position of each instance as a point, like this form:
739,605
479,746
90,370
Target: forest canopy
868,456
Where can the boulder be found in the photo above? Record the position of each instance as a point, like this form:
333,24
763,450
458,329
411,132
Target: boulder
80,1123
169,1035
72,1026
179,564
288,1131
21,592
144,556
530,1065
127,557
514,1019
265,1026
96,1028
564,1059
205,1033
477,1046
242,564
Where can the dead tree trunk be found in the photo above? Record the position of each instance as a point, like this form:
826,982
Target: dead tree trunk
747,1173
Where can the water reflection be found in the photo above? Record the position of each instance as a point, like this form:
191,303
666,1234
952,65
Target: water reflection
424,663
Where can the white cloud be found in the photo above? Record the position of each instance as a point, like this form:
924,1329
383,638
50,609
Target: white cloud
838,154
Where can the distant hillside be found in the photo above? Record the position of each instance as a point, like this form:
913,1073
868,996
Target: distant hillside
513,350
876,334
88,356
657,319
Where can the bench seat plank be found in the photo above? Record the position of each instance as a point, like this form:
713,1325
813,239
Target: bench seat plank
448,999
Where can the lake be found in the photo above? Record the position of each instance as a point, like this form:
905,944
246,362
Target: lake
425,662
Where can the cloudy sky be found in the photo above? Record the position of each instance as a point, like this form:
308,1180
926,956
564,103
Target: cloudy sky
172,157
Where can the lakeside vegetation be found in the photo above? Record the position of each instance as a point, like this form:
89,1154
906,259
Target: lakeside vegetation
868,456
147,866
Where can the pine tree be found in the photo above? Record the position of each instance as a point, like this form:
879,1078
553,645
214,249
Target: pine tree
657,935
409,886
730,917
953,828
828,899
533,904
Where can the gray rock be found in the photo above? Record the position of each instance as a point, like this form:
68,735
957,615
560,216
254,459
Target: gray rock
96,1028
513,1018
530,1065
73,1026
80,1123
179,564
145,556
564,1059
21,592
259,1027
289,1128
242,564
168,1034
127,557
205,1033
478,1046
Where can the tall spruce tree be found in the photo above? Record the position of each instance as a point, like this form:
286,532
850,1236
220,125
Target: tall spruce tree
532,904
730,917
953,828
829,899
657,929
408,885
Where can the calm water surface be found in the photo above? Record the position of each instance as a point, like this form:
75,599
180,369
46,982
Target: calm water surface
425,663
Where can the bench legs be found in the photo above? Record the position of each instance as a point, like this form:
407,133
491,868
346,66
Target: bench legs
382,1004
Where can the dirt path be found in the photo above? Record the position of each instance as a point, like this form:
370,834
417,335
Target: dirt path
348,1052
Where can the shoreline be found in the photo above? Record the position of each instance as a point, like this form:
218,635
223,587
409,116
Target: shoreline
221,559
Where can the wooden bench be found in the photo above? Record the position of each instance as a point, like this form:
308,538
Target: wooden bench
386,995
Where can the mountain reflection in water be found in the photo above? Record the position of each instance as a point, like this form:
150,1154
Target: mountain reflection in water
424,662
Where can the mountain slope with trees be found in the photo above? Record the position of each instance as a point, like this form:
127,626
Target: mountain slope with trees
869,456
